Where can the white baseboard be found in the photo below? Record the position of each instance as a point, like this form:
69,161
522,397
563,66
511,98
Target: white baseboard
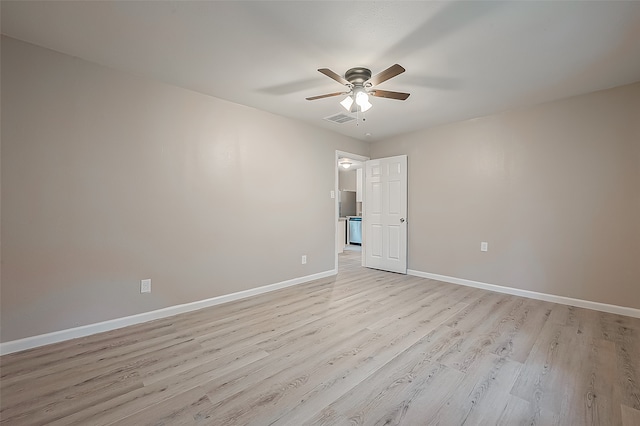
580,303
86,330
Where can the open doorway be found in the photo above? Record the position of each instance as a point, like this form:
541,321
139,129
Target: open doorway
349,200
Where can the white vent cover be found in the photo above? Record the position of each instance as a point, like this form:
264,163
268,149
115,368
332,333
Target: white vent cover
340,118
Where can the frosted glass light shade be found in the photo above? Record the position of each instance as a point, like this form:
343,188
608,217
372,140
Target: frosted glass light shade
362,99
347,102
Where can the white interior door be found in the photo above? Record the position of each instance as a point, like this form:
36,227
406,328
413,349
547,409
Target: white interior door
385,214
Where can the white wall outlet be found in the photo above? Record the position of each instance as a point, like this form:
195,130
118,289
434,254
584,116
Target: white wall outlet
304,259
484,246
145,286
332,194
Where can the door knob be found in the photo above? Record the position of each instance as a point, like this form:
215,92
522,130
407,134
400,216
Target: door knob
402,220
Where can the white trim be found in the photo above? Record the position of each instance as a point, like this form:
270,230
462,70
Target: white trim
86,330
580,303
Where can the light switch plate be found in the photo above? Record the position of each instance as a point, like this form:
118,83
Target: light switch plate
145,286
484,246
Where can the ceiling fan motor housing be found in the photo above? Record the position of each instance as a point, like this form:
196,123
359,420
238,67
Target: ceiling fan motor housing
357,76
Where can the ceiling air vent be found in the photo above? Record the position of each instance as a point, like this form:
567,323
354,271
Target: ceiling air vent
340,118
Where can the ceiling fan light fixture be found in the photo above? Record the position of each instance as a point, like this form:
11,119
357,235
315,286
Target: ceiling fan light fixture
362,99
347,102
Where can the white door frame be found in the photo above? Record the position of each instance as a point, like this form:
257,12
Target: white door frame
336,189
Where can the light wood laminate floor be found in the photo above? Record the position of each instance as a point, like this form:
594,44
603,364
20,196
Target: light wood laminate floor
366,347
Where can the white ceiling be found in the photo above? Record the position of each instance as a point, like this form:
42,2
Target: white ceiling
463,60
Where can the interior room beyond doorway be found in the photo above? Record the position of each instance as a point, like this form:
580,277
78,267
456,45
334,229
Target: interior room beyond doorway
349,178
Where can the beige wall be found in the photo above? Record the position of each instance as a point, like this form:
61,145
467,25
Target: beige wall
554,190
108,179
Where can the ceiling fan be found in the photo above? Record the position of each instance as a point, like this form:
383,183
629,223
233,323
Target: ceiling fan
361,85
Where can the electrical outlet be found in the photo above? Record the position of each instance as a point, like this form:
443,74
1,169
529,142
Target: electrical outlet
332,194
304,259
145,286
484,246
